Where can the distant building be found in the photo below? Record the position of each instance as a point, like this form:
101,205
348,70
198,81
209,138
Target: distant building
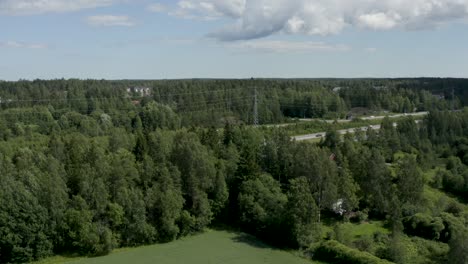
139,91
336,89
338,207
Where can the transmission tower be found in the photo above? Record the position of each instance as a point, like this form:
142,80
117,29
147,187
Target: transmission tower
255,109
453,99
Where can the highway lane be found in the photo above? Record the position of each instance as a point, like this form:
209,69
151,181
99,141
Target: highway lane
320,135
366,117
347,120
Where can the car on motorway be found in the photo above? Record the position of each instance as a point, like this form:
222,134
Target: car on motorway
319,135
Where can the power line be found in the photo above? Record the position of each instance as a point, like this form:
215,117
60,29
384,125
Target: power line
218,105
453,99
221,103
201,92
168,95
255,108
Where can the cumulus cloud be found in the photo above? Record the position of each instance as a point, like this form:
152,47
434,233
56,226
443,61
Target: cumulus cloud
379,20
22,45
110,21
29,7
280,46
250,19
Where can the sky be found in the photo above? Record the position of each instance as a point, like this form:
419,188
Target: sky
146,39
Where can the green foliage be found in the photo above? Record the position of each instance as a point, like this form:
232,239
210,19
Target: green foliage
164,203
23,222
347,188
332,139
425,226
302,213
154,115
80,232
87,167
334,252
321,173
458,253
429,251
262,205
376,183
410,181
198,175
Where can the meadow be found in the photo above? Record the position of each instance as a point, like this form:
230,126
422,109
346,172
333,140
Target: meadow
210,247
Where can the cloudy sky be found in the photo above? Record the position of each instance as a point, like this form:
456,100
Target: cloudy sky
145,39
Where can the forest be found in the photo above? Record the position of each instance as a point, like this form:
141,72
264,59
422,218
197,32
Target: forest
88,166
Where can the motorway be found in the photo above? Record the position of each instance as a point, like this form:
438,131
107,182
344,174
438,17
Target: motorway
330,121
320,135
366,118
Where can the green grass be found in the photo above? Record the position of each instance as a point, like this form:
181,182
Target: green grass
429,175
437,200
364,229
209,247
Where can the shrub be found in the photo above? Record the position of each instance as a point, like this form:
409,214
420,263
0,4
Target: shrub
423,225
359,217
334,252
364,243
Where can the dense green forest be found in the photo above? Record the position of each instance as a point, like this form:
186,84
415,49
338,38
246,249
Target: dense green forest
89,166
215,102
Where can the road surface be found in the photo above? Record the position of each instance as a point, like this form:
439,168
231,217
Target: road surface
320,135
347,120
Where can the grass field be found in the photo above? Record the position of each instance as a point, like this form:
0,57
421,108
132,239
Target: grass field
364,229
208,248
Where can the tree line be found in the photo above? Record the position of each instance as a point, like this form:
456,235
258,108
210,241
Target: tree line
214,102
74,182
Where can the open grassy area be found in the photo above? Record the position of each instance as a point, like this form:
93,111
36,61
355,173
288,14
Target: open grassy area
364,229
209,247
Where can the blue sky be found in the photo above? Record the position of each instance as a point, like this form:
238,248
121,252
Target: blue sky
143,39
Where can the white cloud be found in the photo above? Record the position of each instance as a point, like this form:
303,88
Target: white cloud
110,21
250,19
199,10
280,46
22,45
29,7
379,20
156,7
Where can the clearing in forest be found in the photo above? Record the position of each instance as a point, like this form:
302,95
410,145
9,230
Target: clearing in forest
211,247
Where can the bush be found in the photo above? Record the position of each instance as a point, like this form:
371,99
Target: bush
431,251
424,226
342,236
334,252
360,217
364,243
454,208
